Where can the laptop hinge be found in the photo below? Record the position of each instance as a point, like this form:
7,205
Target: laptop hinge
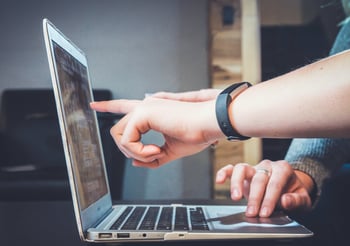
103,217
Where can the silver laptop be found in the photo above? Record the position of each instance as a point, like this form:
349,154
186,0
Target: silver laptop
98,220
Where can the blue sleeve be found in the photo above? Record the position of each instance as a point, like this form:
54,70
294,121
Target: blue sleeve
318,157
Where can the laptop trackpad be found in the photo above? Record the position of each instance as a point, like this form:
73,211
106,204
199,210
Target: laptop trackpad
233,218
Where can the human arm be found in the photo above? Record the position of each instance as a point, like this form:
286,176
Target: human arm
309,102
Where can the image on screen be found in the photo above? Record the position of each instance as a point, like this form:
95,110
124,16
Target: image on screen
81,128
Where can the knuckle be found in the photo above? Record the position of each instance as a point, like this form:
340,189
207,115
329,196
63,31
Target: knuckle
283,168
253,201
259,180
275,185
284,165
268,202
240,166
123,142
225,169
265,162
112,130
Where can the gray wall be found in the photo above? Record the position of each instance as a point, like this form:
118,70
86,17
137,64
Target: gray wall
133,47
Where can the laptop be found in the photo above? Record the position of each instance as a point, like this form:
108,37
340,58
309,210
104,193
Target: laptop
98,220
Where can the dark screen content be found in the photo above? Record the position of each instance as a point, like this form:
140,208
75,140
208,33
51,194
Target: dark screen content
81,129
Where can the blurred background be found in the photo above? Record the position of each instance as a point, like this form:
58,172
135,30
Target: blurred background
133,47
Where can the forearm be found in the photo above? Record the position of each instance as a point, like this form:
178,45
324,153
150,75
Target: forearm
312,101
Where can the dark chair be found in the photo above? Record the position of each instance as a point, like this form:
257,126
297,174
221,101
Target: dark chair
32,162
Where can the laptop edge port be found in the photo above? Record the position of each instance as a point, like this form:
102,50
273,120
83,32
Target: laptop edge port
123,235
105,235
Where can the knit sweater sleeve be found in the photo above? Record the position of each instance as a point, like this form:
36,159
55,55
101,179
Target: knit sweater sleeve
318,157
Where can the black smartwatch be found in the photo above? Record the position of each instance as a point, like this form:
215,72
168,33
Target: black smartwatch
222,102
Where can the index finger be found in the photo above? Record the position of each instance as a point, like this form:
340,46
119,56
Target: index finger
189,96
121,106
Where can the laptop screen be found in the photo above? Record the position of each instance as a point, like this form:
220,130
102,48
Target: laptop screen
81,130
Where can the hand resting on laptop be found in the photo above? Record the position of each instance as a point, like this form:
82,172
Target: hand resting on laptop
267,185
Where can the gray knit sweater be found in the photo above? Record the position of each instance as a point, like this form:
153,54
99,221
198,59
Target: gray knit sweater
320,157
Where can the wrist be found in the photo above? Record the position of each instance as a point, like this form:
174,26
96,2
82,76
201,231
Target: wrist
207,118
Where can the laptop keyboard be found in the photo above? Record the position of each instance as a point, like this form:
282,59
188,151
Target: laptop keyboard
165,218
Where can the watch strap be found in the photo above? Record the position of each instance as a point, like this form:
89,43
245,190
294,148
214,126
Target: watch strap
221,107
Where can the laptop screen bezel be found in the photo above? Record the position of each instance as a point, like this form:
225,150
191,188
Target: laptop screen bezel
93,213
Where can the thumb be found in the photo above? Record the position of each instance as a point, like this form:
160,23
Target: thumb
295,201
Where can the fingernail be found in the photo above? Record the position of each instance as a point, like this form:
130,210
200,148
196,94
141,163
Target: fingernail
148,95
264,212
219,176
288,201
236,193
251,210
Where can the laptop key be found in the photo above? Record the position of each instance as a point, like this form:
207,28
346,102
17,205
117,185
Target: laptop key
150,219
121,218
165,219
198,220
181,219
134,219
